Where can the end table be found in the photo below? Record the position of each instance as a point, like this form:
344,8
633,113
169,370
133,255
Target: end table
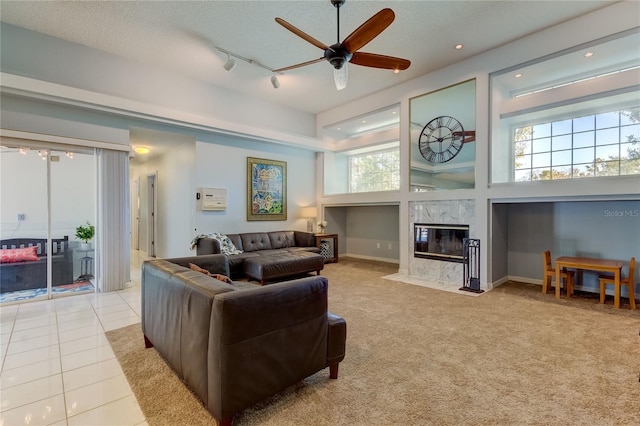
328,254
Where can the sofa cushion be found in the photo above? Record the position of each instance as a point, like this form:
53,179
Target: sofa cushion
282,239
25,254
236,240
255,241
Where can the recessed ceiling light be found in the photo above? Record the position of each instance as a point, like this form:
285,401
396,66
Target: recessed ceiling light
458,46
141,150
364,121
588,54
393,112
518,75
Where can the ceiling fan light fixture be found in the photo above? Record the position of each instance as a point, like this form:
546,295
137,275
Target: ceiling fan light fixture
230,64
275,82
341,76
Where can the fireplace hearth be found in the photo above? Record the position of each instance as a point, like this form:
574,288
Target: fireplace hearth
440,241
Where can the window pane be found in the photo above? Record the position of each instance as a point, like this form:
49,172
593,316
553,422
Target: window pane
608,152
583,155
542,145
560,158
522,175
561,127
541,174
541,160
583,170
607,119
577,150
630,133
607,136
630,150
607,168
561,142
542,130
523,147
378,171
561,172
629,116
630,167
582,124
583,139
523,162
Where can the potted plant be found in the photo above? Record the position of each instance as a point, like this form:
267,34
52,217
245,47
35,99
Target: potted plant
85,233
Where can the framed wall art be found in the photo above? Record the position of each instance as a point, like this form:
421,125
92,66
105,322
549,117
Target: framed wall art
266,189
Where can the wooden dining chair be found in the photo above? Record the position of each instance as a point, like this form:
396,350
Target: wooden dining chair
550,274
628,281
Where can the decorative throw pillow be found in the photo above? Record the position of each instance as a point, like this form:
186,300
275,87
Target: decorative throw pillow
25,254
223,278
218,277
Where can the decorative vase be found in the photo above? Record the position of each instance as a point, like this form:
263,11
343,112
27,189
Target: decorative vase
85,246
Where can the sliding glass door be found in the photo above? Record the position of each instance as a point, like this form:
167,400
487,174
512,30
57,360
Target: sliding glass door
45,195
23,224
73,201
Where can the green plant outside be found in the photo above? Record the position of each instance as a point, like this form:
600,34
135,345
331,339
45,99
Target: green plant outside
85,232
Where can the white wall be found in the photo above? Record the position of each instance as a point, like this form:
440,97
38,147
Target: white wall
221,162
174,212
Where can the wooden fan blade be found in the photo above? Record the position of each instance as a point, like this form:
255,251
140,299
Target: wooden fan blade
299,65
379,61
301,34
369,30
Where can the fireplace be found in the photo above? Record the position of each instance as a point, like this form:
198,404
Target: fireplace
438,241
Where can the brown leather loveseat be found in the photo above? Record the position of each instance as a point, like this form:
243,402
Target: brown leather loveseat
235,344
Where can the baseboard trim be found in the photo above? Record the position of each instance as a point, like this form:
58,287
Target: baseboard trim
377,259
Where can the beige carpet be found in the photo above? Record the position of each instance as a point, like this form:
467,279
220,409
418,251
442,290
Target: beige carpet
417,356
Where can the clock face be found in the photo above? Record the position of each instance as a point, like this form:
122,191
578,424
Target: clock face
441,139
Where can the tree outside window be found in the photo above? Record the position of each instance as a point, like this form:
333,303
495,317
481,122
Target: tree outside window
374,171
603,144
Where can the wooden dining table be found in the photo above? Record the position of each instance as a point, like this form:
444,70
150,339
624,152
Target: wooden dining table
593,264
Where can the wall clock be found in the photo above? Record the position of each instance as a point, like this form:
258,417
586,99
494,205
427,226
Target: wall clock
441,139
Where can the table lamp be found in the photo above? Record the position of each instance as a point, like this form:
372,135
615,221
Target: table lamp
309,213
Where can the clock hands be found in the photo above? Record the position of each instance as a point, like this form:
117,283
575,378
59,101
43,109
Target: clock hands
441,139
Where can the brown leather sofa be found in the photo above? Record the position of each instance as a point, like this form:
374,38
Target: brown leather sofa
235,344
283,254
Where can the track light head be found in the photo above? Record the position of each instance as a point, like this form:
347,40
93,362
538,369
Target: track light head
230,64
275,82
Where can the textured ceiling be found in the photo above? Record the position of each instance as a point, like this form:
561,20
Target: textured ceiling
180,36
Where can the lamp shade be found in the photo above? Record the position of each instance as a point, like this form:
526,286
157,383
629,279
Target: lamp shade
309,212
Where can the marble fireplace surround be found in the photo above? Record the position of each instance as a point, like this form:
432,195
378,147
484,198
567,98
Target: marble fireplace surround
443,274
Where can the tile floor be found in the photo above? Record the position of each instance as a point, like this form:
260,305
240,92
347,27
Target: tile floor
57,365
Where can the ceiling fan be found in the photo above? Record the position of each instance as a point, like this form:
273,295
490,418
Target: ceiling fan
340,54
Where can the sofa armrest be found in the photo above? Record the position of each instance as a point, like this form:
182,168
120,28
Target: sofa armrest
208,246
264,340
336,342
304,239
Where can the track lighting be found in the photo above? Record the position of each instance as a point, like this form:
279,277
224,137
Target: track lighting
274,81
230,64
